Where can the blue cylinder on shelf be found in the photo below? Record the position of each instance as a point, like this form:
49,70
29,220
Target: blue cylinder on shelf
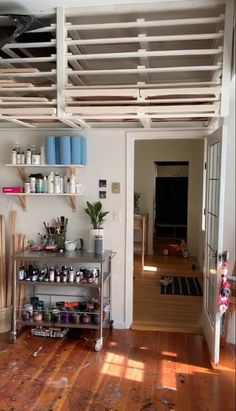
76,149
50,150
83,151
57,148
65,151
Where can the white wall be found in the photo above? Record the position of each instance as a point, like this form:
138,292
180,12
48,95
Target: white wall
229,197
106,153
146,152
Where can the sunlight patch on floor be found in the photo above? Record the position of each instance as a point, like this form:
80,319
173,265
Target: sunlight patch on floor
149,268
117,366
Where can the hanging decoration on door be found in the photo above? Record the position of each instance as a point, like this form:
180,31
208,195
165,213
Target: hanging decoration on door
224,292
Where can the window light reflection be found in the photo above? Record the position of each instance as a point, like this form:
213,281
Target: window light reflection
149,268
118,366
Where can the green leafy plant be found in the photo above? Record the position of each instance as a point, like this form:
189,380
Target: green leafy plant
96,214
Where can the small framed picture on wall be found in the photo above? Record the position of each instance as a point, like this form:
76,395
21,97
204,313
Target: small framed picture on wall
102,183
102,194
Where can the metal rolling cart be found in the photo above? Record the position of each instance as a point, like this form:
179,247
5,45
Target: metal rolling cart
102,285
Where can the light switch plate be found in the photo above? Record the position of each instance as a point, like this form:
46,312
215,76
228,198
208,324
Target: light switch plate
115,188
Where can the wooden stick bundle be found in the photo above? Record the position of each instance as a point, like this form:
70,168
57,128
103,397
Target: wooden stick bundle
10,262
2,262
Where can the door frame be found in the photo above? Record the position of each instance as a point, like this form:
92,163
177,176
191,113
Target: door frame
131,137
213,333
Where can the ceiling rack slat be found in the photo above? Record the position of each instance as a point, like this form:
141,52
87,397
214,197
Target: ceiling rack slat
136,39
145,23
147,109
23,60
144,53
38,44
157,116
148,70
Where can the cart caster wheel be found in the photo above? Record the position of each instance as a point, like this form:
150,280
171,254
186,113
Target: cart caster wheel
185,254
13,339
165,251
111,326
98,345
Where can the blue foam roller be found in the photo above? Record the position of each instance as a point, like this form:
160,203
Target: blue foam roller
50,150
83,151
57,148
65,152
75,149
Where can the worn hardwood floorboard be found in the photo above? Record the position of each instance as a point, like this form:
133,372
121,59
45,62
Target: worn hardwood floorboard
155,311
135,371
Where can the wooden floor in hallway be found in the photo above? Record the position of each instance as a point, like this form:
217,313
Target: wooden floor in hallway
135,371
155,311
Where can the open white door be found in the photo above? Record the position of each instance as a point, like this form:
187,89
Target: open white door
213,242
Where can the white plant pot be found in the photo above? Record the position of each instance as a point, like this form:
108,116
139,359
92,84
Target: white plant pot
91,238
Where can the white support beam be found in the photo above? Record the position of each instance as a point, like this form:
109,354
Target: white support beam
143,23
227,56
152,116
199,108
30,89
17,122
62,77
147,86
69,123
148,70
30,75
146,101
144,54
26,60
145,120
148,39
39,44
27,111
81,122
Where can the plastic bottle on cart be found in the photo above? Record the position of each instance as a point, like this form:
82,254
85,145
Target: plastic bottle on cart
28,156
18,154
51,274
13,155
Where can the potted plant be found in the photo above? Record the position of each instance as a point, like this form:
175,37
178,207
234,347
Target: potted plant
96,214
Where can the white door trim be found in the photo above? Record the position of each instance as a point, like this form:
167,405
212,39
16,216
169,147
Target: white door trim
131,137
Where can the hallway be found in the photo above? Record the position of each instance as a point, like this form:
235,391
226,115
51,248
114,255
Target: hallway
157,312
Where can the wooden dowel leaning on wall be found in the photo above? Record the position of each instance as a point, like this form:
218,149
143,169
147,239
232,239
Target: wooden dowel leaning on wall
10,260
2,262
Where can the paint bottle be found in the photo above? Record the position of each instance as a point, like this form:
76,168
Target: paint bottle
21,273
45,185
57,184
51,183
18,154
32,185
72,184
13,155
51,274
28,156
71,275
22,158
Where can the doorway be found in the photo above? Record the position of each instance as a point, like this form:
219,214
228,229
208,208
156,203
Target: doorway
156,175
171,203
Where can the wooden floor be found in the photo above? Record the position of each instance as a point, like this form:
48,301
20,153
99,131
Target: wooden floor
155,311
135,371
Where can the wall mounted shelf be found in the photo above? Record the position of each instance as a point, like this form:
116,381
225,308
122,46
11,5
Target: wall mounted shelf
22,197
22,167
